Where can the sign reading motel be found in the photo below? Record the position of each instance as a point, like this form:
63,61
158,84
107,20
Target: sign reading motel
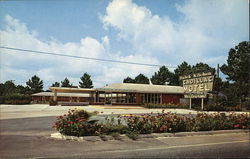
197,85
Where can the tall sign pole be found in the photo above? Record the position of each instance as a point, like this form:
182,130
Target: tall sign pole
190,103
217,89
202,103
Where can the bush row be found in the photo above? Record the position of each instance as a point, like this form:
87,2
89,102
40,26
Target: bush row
15,99
77,123
169,105
194,106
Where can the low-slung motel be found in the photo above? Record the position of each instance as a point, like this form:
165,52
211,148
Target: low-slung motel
115,94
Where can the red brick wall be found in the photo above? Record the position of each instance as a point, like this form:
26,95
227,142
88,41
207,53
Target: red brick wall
170,98
138,98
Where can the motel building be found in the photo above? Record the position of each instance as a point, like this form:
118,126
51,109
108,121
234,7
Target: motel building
113,94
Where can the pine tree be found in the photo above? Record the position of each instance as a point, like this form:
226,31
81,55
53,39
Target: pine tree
129,80
162,77
66,83
86,81
183,69
56,84
238,68
35,84
141,79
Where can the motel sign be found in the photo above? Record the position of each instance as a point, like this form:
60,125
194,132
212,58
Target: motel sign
197,85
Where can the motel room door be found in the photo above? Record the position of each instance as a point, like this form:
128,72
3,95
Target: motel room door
108,98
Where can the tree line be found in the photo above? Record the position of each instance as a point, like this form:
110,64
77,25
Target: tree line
235,88
35,85
10,93
166,77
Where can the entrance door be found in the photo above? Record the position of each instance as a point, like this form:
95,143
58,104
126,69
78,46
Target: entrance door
108,98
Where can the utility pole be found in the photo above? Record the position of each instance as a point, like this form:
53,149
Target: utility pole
217,89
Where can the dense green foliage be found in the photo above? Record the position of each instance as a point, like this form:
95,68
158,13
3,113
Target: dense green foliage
228,94
35,84
237,69
12,94
77,123
56,84
166,106
140,79
66,83
86,81
162,77
183,69
129,80
15,99
166,77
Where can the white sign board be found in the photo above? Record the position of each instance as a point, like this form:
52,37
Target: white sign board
197,85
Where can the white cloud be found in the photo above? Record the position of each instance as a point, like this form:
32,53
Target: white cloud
206,32
20,66
208,29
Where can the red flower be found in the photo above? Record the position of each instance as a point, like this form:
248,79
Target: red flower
164,127
161,129
236,126
243,127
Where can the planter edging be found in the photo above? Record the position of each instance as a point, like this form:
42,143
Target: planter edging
153,135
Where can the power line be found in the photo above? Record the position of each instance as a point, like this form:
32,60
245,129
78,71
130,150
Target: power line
83,57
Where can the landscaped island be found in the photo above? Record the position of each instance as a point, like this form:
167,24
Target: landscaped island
78,123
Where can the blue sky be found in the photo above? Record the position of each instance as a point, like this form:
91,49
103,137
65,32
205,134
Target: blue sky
160,32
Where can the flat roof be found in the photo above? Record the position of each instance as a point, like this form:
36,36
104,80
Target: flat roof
51,94
72,90
143,88
124,87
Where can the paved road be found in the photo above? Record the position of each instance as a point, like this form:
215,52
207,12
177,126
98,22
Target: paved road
42,110
29,138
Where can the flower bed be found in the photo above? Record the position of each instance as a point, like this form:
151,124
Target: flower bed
77,123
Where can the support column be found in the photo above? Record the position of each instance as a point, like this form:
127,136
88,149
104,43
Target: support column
104,98
55,96
161,98
111,98
202,103
190,103
94,96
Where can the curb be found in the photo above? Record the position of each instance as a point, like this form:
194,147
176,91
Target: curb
153,135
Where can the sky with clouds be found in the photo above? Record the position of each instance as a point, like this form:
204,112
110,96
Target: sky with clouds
159,32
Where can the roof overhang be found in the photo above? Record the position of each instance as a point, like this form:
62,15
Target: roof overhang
72,90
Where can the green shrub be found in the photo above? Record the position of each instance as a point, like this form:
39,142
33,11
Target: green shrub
133,135
53,103
15,99
115,135
103,137
247,104
111,126
215,108
1,99
166,106
77,123
171,122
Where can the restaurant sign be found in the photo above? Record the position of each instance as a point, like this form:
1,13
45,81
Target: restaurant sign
197,85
